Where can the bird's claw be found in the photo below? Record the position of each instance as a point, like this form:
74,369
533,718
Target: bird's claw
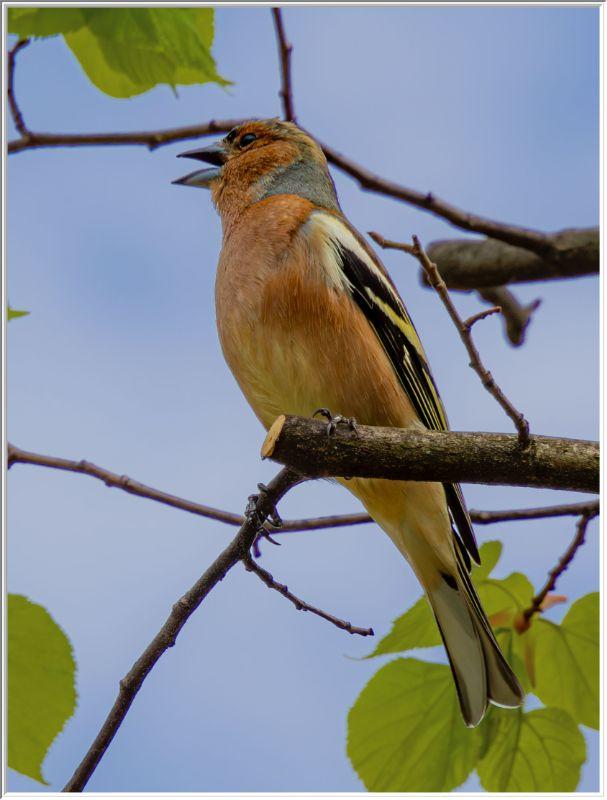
252,513
335,420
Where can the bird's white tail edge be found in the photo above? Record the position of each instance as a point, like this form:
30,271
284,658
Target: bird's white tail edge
481,672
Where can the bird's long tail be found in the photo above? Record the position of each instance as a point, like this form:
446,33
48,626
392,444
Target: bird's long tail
481,672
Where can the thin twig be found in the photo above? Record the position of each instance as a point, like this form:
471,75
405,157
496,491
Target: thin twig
468,323
555,573
516,515
182,610
123,482
477,365
535,241
285,48
10,89
301,605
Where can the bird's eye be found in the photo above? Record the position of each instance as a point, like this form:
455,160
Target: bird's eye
247,139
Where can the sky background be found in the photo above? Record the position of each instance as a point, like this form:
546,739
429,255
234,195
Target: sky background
494,109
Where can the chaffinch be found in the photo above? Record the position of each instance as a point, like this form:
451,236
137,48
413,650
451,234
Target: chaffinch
308,318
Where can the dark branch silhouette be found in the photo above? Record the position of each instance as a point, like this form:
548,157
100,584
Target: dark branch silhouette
284,52
555,573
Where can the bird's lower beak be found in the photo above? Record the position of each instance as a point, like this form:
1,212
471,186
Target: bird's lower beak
201,178
214,154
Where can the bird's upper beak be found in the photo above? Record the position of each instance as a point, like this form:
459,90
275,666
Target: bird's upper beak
214,154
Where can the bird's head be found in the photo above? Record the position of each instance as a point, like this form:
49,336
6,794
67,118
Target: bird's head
261,158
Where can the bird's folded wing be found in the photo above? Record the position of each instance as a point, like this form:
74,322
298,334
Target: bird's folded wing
354,266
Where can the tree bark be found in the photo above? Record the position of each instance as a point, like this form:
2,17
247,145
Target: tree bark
466,264
449,457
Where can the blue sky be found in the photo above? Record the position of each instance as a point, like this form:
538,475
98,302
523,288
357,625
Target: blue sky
494,109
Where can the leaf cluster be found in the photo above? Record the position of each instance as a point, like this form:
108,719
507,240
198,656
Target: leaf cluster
405,731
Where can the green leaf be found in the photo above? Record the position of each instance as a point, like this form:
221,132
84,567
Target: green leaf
26,22
567,661
13,313
490,553
41,684
501,599
406,733
539,751
415,628
502,595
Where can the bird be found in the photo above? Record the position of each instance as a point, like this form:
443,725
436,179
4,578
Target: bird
309,318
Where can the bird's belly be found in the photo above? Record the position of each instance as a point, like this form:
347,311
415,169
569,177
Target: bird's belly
306,364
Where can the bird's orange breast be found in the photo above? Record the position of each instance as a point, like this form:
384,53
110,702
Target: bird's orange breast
294,342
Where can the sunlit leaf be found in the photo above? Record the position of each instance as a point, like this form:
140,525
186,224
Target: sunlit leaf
27,22
406,733
539,751
567,661
40,687
415,628
128,50
490,553
501,599
13,313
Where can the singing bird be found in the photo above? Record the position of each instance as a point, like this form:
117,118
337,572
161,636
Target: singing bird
308,318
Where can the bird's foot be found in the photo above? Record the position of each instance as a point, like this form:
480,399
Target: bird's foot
253,514
334,420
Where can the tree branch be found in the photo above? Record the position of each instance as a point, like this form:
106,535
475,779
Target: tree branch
10,89
114,480
468,264
515,315
180,613
150,139
422,455
285,48
299,604
463,329
555,573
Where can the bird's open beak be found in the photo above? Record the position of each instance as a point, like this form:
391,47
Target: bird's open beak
214,154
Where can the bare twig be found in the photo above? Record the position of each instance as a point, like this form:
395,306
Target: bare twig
468,323
299,604
10,89
477,365
555,573
516,316
285,48
515,515
182,610
113,479
150,139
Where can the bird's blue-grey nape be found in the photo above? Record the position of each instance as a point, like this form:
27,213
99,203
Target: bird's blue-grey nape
200,179
307,179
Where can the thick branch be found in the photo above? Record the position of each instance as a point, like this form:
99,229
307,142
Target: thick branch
447,456
284,51
472,265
